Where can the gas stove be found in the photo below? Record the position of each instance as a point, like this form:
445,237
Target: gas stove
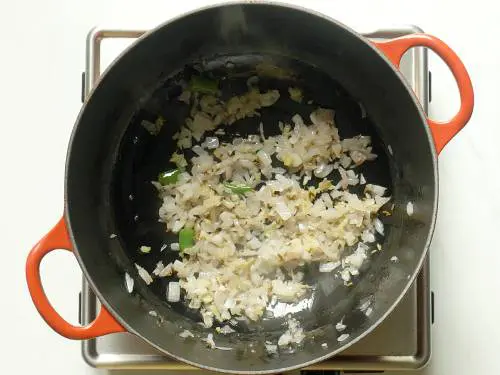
401,342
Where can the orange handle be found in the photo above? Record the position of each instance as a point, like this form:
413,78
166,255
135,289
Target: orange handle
442,132
56,239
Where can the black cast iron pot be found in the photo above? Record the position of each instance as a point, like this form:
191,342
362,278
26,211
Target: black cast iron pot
111,157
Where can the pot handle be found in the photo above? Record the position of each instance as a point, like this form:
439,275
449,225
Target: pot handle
56,239
442,132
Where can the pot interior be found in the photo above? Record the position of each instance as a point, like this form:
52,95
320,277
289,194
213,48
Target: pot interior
112,160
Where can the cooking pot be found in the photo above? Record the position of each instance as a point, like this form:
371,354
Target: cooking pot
112,159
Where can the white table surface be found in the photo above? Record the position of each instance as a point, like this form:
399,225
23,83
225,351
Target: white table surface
42,56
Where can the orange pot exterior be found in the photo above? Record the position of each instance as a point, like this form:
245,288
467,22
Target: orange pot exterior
442,132
58,239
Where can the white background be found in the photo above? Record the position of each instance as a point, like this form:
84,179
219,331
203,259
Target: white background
42,56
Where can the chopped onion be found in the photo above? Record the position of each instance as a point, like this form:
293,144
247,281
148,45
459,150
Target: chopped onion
267,99
252,81
365,304
184,96
283,210
145,249
173,292
229,303
375,189
357,157
129,282
323,170
295,94
144,274
225,330
166,271
306,179
367,236
185,334
199,151
297,119
285,339
254,243
409,208
353,271
233,322
362,179
379,227
271,348
340,326
253,138
112,235
212,142
264,158
175,246
356,259
345,275
152,128
342,337
293,335
210,340
352,179
345,161
159,268
328,267
223,348
278,170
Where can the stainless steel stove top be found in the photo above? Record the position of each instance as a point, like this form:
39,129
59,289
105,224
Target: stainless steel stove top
401,342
